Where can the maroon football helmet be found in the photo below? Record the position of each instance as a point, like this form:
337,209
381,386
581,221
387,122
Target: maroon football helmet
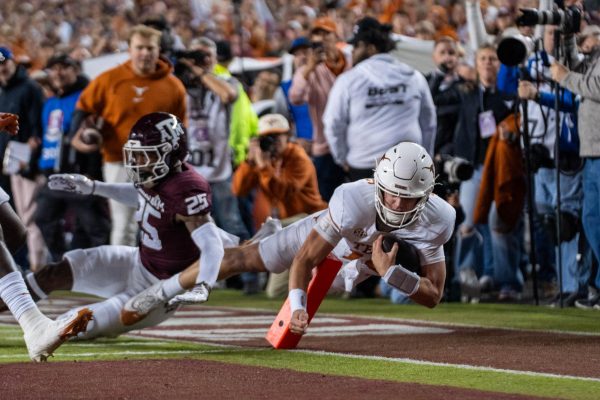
157,143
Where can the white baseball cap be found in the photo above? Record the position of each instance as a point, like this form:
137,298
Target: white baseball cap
273,123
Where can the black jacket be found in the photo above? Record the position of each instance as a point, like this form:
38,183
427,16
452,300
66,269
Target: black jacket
24,97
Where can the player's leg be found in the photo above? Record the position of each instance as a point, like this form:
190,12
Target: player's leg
101,271
42,335
107,313
10,222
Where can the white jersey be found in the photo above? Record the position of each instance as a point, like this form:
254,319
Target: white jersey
4,197
352,211
374,106
208,134
350,225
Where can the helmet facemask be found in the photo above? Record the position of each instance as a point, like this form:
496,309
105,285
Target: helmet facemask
146,165
393,218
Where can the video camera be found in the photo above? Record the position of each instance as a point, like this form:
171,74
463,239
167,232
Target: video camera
451,172
183,72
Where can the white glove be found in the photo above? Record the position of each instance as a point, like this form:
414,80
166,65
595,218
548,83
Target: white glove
72,183
198,294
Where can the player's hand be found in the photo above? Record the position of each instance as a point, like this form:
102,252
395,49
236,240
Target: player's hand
72,183
299,322
9,123
382,260
198,295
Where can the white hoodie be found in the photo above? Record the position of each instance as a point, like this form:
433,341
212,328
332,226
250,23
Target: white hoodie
374,106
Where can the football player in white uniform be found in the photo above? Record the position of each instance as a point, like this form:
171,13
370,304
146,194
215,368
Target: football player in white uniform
42,335
398,202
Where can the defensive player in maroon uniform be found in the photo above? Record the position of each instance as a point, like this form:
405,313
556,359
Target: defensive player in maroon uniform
173,212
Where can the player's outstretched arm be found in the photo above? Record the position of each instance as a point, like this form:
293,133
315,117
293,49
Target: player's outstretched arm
426,289
125,193
313,251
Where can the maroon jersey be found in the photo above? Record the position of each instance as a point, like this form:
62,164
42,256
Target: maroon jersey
166,246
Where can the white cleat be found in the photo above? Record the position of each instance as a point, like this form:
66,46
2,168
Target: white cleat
198,295
268,228
140,305
47,337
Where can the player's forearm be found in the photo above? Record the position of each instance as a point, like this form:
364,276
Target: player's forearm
428,294
125,193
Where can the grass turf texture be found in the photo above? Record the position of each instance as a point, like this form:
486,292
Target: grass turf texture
12,348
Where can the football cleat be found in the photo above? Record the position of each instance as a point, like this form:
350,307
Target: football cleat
140,305
199,294
46,337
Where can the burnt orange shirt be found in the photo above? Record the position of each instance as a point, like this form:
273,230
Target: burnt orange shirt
291,187
121,97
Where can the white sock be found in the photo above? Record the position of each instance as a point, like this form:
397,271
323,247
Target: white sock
172,287
18,300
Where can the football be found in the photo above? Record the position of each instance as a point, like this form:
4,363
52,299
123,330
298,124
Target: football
91,136
407,254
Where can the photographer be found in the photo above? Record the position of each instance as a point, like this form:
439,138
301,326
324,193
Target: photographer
281,171
210,99
586,84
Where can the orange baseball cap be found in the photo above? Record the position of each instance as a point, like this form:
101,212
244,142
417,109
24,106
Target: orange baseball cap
324,23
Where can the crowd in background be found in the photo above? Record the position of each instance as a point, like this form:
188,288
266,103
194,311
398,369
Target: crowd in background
467,81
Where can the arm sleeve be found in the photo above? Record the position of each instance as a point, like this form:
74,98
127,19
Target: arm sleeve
587,85
336,119
567,103
427,116
125,193
208,240
299,89
90,99
329,225
476,28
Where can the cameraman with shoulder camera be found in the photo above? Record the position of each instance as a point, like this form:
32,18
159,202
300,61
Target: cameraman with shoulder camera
281,171
585,82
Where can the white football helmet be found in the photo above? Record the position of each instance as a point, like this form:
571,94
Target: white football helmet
407,171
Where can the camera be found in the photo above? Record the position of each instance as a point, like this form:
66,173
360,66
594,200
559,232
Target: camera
451,172
268,143
567,18
183,72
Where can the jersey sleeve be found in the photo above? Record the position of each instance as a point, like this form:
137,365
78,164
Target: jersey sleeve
330,223
192,197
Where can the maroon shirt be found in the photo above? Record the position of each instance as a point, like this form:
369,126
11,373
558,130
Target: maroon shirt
166,246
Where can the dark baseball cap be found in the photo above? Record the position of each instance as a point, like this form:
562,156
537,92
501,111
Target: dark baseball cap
367,30
62,59
299,43
5,54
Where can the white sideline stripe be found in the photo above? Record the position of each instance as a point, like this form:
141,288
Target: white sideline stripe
122,353
263,320
230,334
439,364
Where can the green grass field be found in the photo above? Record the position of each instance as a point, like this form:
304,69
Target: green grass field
489,315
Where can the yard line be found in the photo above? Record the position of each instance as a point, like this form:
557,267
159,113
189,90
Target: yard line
439,364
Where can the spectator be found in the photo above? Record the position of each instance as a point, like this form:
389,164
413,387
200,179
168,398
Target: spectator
300,113
311,84
22,96
444,84
210,100
483,108
120,96
92,222
377,104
